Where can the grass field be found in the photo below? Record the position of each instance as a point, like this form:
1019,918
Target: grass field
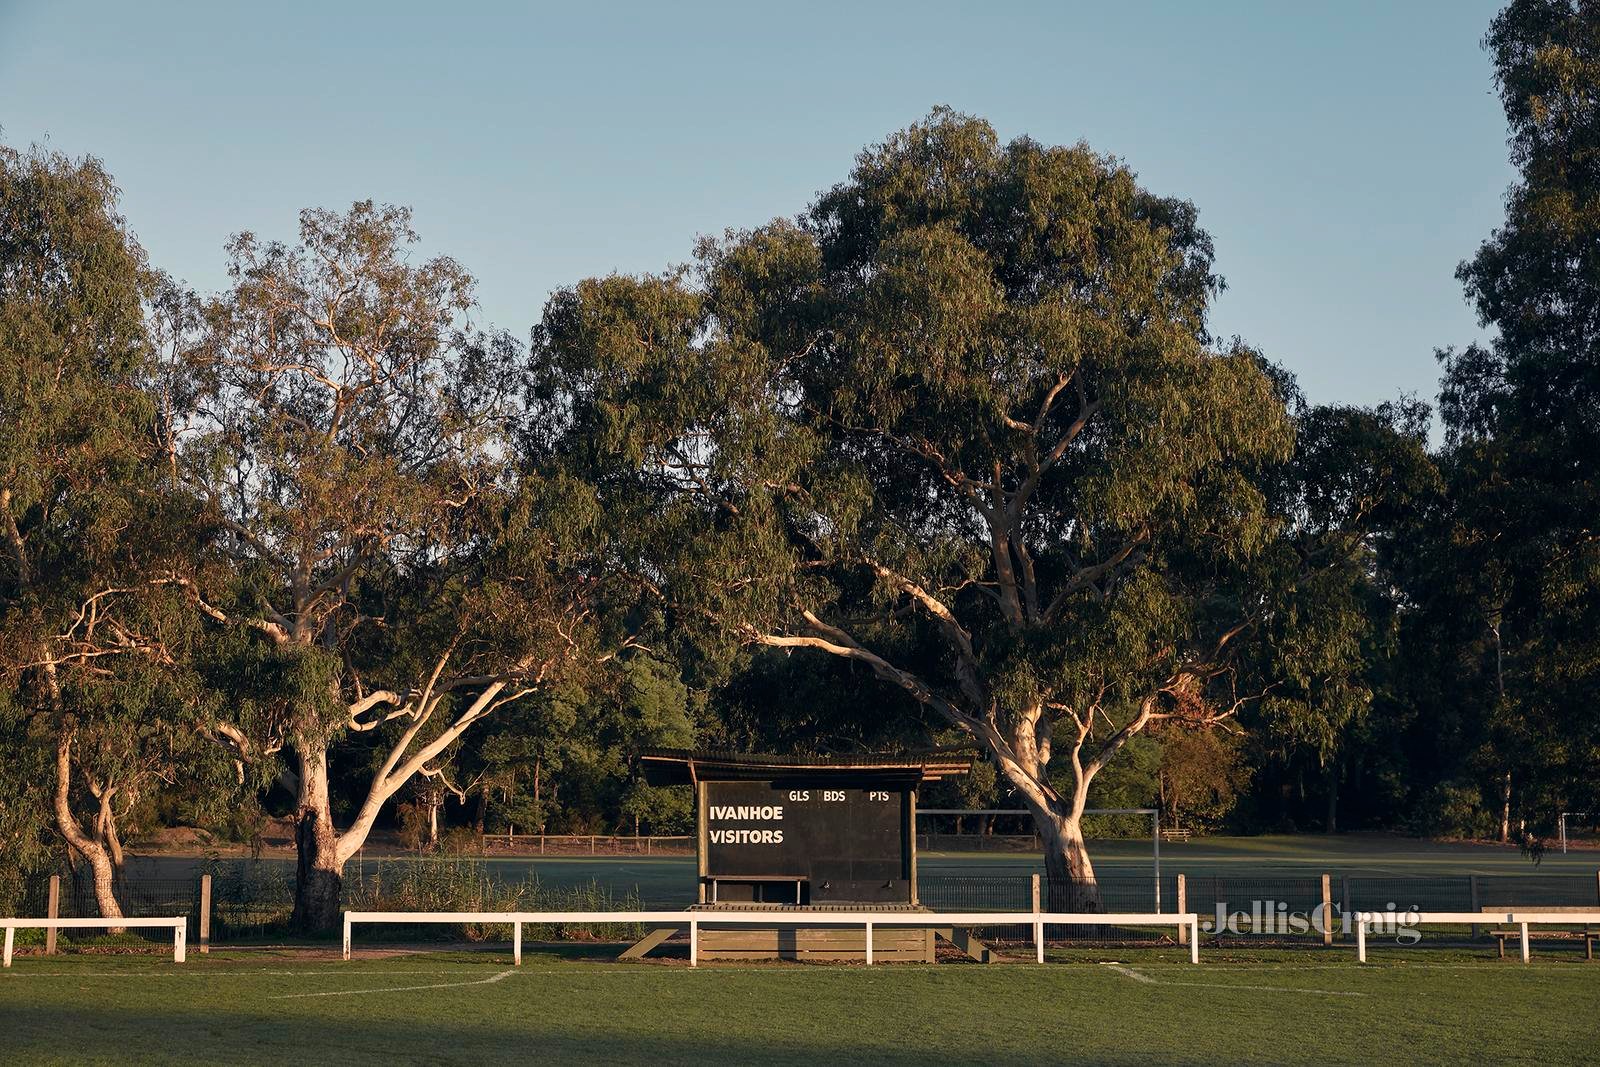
264,1006
1433,1003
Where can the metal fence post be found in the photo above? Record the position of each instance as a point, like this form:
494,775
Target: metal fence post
1155,844
53,911
205,914
1183,907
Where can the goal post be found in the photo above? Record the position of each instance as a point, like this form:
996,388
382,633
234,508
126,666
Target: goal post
1563,820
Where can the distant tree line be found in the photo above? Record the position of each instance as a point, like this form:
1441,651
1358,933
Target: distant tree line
950,458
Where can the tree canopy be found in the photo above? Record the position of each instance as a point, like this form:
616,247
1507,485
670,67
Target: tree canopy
963,424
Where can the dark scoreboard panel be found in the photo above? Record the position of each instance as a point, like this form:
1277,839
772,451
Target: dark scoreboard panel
847,843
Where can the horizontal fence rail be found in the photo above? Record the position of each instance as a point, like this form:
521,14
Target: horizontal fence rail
233,900
692,921
1520,919
178,924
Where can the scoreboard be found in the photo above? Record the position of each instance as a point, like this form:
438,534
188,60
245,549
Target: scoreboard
804,831
836,842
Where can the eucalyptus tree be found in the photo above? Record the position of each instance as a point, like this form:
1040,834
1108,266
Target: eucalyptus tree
1522,420
90,641
1356,490
962,425
380,566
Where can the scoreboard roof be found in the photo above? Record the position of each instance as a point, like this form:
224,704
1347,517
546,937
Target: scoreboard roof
679,766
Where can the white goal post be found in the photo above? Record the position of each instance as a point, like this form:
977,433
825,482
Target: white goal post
1521,919
692,921
179,926
1562,823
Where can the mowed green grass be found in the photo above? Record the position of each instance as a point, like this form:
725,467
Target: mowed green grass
1433,1006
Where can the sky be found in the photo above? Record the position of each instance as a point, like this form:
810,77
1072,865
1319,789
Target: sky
1345,156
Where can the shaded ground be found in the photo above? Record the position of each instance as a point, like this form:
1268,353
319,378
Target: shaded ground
1135,1007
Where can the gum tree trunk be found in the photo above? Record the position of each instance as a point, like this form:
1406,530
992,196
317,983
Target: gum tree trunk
101,869
319,874
1073,885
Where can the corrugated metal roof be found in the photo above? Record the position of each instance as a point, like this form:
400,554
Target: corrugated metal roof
675,766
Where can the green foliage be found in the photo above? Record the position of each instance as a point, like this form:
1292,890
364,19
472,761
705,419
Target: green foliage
962,425
1453,810
94,640
1203,774
1354,492
1517,562
1133,781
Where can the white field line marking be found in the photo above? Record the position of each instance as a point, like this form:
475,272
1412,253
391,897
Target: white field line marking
1131,973
1137,977
396,989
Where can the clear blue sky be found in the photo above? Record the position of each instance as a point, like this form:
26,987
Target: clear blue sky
1344,157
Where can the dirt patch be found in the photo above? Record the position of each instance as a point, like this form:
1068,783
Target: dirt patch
177,839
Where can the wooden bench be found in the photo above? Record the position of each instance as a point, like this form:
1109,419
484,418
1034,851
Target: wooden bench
1175,835
1589,934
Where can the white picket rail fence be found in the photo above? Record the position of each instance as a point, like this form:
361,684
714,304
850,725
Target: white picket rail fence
1520,919
755,917
178,923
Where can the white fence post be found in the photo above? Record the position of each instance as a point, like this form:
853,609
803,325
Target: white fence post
516,944
1194,939
694,943
1524,929
1361,937
347,935
179,938
11,932
869,942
